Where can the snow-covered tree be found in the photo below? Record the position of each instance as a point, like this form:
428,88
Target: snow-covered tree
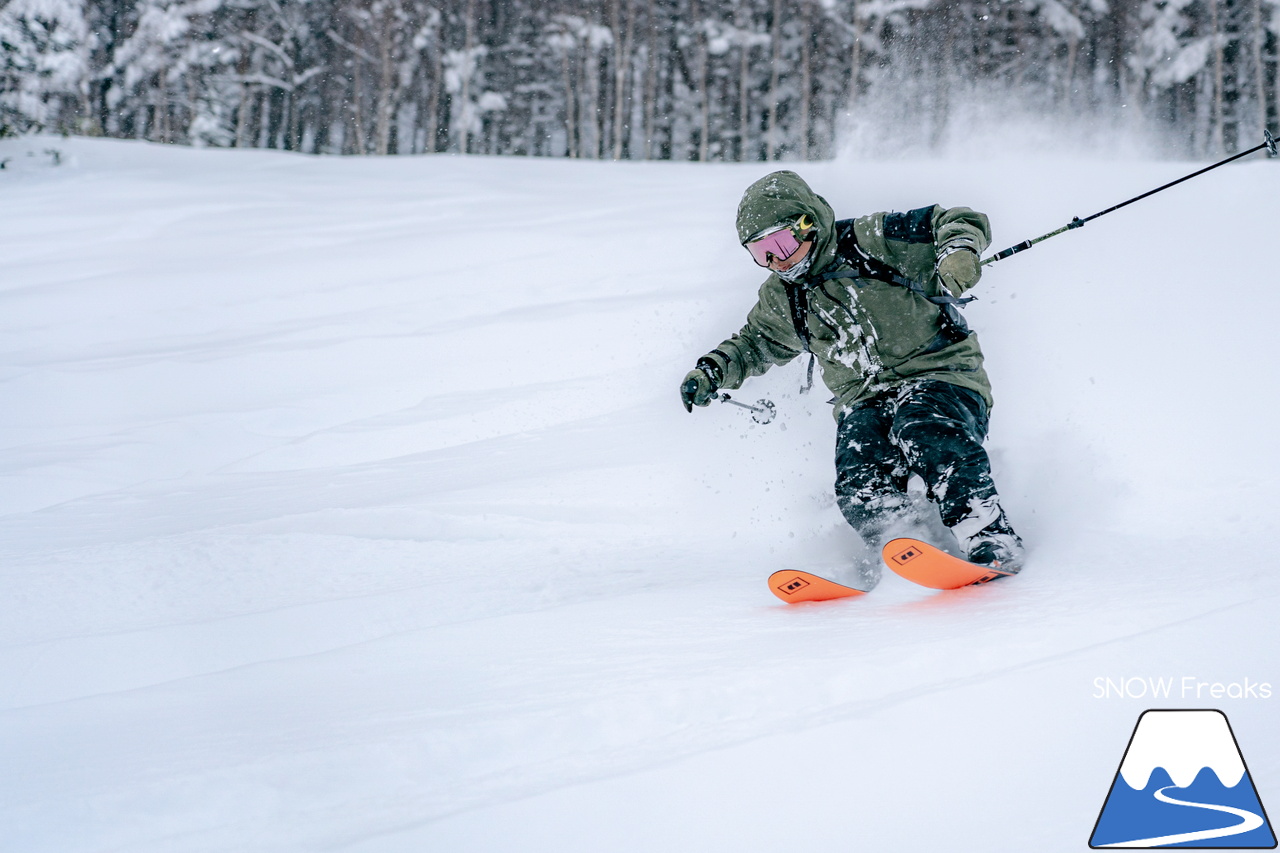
160,69
678,79
44,64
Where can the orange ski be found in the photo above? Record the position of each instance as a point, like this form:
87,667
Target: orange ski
926,565
793,586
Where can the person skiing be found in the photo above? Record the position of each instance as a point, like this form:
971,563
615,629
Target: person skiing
874,301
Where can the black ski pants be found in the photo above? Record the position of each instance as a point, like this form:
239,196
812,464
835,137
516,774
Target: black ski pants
933,429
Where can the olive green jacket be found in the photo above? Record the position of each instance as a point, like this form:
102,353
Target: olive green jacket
868,335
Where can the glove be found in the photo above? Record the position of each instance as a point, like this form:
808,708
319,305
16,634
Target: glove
697,389
959,269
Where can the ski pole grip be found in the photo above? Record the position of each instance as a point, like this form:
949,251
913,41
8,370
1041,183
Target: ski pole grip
1076,222
1012,250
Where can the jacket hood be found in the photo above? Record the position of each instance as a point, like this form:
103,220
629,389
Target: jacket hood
782,197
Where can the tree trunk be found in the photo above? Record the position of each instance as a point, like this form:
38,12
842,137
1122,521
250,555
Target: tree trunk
570,106
806,80
587,103
386,79
621,67
650,80
1216,141
243,111
264,118
771,128
357,114
1259,67
433,101
468,44
855,58
243,116
592,143
704,96
744,103
1276,77
295,119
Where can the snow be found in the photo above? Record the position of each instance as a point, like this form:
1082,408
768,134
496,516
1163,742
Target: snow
1183,743
348,504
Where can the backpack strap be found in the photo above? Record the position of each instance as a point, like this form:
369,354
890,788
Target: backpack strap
798,303
866,266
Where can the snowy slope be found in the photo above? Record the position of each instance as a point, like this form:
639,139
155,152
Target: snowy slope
348,505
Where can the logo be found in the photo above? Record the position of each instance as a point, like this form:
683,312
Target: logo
1183,783
906,555
793,586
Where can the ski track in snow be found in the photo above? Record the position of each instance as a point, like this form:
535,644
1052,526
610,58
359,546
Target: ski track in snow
1248,822
342,508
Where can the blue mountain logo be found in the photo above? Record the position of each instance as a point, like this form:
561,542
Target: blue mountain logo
1183,783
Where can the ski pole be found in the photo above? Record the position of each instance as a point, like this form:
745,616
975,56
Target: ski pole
1268,143
763,412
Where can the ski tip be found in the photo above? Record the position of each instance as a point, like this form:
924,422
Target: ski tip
920,562
793,586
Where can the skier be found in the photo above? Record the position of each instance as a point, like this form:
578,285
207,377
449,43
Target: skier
873,301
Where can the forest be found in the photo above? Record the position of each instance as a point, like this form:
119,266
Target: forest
718,80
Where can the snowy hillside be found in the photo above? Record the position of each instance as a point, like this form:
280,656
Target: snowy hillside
348,504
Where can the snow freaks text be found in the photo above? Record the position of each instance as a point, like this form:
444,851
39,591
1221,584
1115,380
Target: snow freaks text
1184,687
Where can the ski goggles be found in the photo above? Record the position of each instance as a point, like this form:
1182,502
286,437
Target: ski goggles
780,243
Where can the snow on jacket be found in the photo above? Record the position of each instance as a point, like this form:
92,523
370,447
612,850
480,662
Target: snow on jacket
868,335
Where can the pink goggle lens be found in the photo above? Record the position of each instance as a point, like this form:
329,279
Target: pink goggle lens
781,244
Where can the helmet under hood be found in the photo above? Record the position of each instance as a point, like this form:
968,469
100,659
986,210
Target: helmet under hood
782,198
